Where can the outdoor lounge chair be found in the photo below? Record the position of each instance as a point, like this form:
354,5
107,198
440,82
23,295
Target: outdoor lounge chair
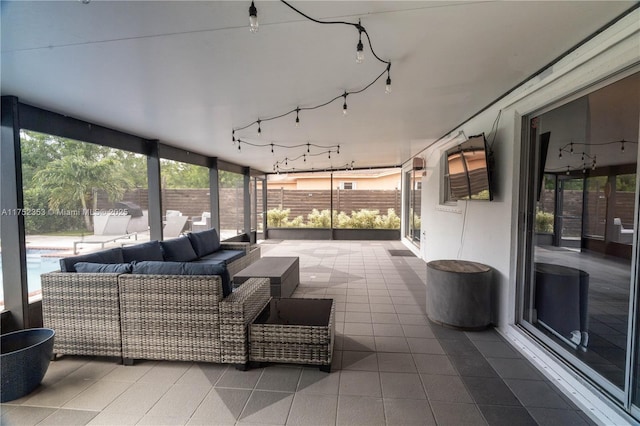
202,223
174,225
108,229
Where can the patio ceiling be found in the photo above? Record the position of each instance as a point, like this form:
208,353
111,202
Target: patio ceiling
187,73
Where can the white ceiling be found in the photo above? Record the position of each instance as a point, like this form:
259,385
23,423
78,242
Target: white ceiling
187,73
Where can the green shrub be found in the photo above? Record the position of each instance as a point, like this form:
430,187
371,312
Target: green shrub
277,218
388,221
544,222
319,219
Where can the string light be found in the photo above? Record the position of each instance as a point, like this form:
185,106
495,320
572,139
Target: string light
298,117
622,145
253,18
259,128
344,106
359,46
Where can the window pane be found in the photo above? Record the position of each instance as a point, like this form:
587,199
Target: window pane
231,204
77,197
185,198
367,199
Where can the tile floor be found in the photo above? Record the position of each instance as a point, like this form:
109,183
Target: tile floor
391,366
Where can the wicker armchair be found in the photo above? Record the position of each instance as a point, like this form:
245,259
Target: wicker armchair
84,311
252,253
183,317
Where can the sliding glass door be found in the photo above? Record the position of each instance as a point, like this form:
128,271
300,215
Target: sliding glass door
578,259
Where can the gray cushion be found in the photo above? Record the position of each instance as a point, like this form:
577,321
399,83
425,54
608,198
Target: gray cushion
146,251
178,250
205,242
114,255
222,256
115,268
185,268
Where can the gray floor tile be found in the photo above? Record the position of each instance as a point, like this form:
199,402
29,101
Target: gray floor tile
473,366
532,393
496,349
130,373
396,362
221,406
391,330
69,418
179,401
98,396
385,318
202,374
360,383
409,309
412,319
358,307
360,411
365,361
56,396
314,381
267,407
434,364
506,416
358,329
60,370
552,417
382,308
233,378
310,409
401,385
149,420
424,346
408,412
166,372
391,344
445,388
460,348
275,378
357,317
420,331
490,391
510,368
145,395
25,416
113,418
94,369
358,343
455,414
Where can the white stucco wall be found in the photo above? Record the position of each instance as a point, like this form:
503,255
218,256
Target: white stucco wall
484,231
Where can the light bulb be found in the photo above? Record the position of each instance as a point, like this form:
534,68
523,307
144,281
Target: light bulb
359,52
253,18
387,88
259,128
344,108
297,117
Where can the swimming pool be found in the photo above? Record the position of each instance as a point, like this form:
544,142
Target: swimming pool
39,261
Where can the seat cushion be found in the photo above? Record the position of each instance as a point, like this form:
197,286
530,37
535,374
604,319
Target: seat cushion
146,251
185,268
178,250
114,255
222,256
101,268
205,242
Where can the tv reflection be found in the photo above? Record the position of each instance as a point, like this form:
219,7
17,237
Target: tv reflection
468,167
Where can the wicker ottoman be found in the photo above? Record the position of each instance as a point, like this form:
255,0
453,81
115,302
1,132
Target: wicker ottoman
298,331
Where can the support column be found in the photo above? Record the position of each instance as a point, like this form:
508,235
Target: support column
247,202
154,191
214,190
14,257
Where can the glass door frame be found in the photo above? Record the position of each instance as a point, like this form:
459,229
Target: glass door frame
525,256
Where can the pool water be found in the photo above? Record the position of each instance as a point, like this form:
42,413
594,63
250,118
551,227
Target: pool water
38,262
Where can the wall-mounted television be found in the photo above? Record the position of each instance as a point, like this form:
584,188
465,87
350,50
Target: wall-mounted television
468,170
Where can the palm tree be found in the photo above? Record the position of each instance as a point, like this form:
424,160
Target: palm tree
75,178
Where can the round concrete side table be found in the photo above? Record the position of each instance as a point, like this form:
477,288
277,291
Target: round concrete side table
459,294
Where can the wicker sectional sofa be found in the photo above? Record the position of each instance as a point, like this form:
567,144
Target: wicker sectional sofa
134,313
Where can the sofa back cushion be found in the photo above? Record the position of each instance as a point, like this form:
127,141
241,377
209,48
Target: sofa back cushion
185,268
102,268
114,255
205,242
146,251
178,250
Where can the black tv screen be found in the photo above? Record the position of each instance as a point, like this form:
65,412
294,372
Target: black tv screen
469,170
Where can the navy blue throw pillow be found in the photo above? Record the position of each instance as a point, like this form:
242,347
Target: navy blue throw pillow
178,250
114,255
205,242
146,251
186,268
102,268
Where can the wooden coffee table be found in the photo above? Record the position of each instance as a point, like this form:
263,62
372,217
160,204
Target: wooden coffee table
298,331
283,273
